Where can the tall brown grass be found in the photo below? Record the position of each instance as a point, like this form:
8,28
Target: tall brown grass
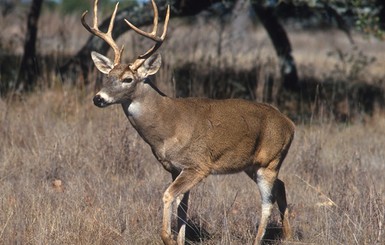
71,173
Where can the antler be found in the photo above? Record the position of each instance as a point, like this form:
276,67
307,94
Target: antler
107,37
152,35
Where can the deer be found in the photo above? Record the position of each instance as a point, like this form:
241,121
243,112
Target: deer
193,137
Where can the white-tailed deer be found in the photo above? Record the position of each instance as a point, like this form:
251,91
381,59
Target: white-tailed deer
195,137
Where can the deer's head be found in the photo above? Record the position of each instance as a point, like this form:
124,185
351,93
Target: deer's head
122,79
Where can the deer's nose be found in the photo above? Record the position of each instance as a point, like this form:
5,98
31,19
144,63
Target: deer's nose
99,101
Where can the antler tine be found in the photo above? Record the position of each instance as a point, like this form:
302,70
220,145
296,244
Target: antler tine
151,35
166,23
156,17
107,37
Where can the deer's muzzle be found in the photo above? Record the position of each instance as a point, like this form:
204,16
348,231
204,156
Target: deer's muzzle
99,101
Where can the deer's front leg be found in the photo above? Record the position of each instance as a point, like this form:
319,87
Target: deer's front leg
182,208
186,180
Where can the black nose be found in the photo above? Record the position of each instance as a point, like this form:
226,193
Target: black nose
99,101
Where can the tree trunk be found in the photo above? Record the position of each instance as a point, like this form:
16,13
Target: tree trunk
281,44
28,68
381,14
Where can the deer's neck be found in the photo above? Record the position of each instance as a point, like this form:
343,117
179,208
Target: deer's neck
143,101
146,113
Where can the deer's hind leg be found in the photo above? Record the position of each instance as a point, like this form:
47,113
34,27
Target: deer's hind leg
280,195
271,189
265,179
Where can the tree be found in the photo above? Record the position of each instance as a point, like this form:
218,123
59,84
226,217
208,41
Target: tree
186,8
28,68
281,44
265,10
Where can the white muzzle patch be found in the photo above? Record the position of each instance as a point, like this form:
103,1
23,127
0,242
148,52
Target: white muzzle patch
105,97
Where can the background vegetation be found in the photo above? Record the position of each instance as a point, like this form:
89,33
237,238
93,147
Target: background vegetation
71,173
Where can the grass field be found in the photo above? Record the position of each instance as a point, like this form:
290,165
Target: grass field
71,173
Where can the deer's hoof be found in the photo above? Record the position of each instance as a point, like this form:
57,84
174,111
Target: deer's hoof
167,238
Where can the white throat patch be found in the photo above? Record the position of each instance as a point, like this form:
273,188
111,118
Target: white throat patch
134,109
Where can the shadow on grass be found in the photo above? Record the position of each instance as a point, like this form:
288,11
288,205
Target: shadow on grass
195,233
274,234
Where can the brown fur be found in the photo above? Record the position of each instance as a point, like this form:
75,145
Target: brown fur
195,137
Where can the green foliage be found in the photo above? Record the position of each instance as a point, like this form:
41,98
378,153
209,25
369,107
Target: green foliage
364,12
367,19
70,6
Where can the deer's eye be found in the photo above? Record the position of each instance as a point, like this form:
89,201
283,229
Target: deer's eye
127,80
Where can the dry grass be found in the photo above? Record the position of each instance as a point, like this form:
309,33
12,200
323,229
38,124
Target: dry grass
74,174
71,173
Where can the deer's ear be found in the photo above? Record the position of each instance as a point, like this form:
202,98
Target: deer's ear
150,66
103,63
